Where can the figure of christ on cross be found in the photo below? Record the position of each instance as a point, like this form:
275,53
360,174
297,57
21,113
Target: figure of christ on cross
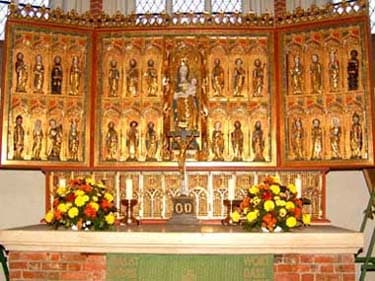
183,142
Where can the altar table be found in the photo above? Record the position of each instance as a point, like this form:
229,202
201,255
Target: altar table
305,254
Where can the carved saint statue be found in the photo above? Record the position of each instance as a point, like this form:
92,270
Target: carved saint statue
37,140
296,74
75,76
258,78
257,142
151,76
297,139
316,140
113,79
152,142
38,71
55,136
353,70
239,74
237,139
132,78
132,141
185,102
111,141
21,73
335,138
18,139
73,140
217,79
356,137
333,71
56,76
316,74
217,145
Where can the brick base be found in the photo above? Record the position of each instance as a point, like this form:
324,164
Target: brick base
92,267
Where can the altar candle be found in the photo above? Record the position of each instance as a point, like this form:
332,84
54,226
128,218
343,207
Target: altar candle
255,178
231,189
117,189
129,189
62,182
298,184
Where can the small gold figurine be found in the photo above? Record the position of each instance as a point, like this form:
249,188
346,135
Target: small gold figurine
18,138
21,73
217,145
37,140
237,141
111,141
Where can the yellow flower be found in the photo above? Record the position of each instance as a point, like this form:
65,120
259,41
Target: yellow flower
108,196
235,216
49,217
86,198
269,205
79,192
280,203
61,191
291,222
95,198
275,189
255,201
80,201
306,219
292,188
110,218
62,208
290,205
276,179
252,216
282,212
254,189
90,181
73,212
94,205
100,184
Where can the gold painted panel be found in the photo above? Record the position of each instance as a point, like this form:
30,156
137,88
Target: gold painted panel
326,96
156,86
46,118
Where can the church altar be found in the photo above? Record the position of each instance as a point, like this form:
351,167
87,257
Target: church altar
319,250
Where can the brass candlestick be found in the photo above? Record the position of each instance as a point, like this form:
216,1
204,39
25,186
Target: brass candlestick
129,205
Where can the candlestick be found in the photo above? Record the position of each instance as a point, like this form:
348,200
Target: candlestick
298,184
129,189
231,189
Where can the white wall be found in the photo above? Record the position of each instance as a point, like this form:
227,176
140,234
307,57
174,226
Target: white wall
22,198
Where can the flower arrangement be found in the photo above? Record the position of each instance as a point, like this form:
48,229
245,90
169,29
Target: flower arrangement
82,204
272,207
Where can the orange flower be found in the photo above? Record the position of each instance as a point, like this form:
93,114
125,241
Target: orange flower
105,204
269,221
58,215
245,203
89,211
86,188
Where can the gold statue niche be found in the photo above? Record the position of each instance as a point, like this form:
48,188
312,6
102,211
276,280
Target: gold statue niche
185,112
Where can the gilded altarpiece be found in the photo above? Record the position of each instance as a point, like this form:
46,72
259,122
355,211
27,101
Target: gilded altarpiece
218,88
326,96
241,96
46,117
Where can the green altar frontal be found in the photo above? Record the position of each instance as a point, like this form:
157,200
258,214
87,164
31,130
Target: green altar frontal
126,267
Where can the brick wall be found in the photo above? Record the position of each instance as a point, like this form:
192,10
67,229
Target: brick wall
92,267
314,268
56,266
